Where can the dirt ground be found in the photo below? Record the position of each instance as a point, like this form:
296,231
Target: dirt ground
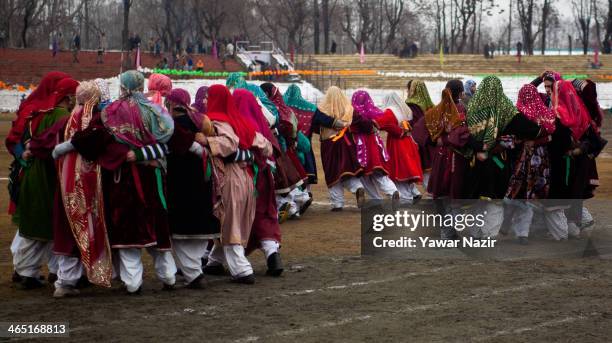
330,293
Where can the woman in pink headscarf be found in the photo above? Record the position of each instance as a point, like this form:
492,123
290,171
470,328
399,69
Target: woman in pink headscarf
371,151
566,148
159,87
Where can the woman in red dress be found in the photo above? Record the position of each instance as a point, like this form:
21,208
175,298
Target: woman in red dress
404,163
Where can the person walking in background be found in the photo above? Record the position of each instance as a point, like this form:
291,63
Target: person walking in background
101,48
76,46
492,48
519,48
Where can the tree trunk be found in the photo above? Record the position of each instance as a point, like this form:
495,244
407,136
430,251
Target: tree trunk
315,7
545,9
86,42
126,27
509,28
326,23
609,21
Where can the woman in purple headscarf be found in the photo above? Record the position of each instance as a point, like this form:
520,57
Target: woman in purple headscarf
371,151
201,99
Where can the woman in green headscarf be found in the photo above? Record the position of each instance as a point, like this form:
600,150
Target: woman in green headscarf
497,128
419,102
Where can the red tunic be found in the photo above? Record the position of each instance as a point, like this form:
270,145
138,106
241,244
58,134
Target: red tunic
404,163
371,151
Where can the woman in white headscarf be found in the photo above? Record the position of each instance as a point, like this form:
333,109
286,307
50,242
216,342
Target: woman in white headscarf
404,164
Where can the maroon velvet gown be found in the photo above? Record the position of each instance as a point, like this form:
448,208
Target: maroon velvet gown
135,215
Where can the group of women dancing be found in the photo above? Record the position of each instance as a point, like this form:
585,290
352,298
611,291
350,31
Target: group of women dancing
201,185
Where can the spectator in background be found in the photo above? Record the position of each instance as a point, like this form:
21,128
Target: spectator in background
334,46
519,50
229,49
178,44
200,65
492,46
163,64
54,44
487,49
606,46
151,45
157,47
76,46
101,48
136,41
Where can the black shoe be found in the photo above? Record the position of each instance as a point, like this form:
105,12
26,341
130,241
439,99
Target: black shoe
51,278
198,283
16,277
336,209
275,265
83,283
136,292
214,270
523,241
246,280
28,283
306,206
166,287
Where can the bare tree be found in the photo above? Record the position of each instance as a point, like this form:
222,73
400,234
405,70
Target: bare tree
526,10
126,26
546,9
358,32
583,12
32,10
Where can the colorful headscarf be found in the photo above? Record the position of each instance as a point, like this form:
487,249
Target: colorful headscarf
293,97
489,111
179,97
159,87
66,87
40,100
235,80
364,106
200,96
222,108
303,109
105,97
133,119
81,191
286,114
531,106
419,95
88,95
467,87
570,109
336,105
400,110
444,113
251,110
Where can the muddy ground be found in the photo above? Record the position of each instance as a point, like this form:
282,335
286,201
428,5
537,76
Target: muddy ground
330,293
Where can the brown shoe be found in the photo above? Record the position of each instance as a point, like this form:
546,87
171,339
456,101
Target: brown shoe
360,195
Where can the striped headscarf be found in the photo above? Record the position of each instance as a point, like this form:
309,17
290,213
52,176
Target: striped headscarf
489,111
